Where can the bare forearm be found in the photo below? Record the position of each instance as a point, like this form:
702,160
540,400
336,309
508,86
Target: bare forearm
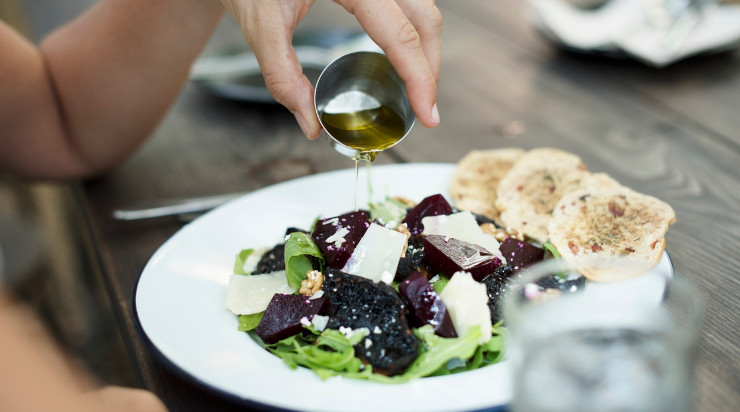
107,78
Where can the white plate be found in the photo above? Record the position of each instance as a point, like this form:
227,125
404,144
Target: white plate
180,298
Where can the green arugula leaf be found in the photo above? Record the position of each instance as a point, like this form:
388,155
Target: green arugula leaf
328,354
440,284
390,211
298,246
241,258
250,322
438,351
552,249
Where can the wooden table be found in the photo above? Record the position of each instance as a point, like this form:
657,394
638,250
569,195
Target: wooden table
673,133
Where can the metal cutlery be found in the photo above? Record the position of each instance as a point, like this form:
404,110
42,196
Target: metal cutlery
172,206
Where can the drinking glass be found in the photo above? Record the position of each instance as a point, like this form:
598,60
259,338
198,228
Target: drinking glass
627,345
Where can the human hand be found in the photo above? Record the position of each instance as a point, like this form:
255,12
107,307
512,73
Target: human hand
409,31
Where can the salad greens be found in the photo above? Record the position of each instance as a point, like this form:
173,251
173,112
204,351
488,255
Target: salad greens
552,249
241,258
298,247
250,322
332,353
327,353
390,211
440,284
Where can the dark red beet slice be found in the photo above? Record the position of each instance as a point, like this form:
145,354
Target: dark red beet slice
425,305
448,255
334,244
431,206
283,316
519,254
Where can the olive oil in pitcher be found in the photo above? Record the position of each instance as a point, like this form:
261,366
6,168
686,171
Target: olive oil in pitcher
368,131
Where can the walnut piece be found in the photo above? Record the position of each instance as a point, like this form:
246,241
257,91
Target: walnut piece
404,230
312,283
406,201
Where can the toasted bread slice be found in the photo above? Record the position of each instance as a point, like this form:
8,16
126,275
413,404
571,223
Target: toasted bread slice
528,193
476,177
607,221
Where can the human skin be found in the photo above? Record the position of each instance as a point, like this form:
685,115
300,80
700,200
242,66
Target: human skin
94,89
409,31
37,376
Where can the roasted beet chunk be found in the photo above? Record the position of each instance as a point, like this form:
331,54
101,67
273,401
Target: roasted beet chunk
337,237
431,206
496,286
272,261
413,260
284,313
356,302
448,255
519,254
425,305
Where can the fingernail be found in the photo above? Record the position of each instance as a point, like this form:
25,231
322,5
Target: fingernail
302,123
435,114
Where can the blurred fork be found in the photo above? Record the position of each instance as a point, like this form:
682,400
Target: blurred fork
172,206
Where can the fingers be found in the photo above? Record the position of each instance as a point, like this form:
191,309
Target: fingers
427,20
406,40
268,27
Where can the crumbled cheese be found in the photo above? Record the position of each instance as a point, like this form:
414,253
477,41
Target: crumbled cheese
332,221
349,332
338,237
319,322
434,279
305,321
368,343
377,331
317,295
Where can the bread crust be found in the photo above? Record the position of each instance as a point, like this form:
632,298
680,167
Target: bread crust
528,193
609,221
476,178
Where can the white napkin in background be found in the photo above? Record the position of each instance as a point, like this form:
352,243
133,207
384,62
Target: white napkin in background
623,25
717,29
588,29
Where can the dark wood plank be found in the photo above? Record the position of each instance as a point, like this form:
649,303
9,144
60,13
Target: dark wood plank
703,90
